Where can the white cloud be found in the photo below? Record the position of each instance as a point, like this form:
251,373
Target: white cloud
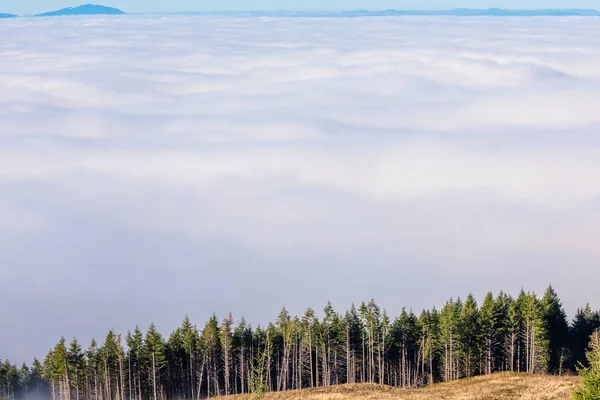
181,155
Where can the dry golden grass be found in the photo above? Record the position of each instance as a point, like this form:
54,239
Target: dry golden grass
503,386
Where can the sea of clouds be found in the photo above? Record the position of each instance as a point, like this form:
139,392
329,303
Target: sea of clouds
156,166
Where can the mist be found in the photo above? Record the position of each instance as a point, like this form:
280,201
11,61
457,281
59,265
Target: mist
152,167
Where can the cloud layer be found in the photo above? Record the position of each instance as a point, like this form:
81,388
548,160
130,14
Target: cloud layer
156,166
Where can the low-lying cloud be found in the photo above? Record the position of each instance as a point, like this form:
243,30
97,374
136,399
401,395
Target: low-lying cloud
156,166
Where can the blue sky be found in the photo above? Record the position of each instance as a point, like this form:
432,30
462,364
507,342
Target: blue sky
34,6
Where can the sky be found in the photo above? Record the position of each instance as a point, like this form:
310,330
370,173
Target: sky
152,167
38,6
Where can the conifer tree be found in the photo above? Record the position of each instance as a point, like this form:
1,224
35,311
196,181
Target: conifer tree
555,320
57,372
76,367
429,323
585,322
590,376
242,344
503,329
190,340
226,340
154,353
211,345
94,370
488,325
353,335
469,336
37,387
449,323
513,341
534,334
24,382
309,330
135,345
9,379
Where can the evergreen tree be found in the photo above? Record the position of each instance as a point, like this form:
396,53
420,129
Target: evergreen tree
94,370
590,376
135,345
449,323
154,354
211,348
586,321
9,379
555,319
37,387
534,333
76,367
226,340
503,329
488,326
56,370
470,336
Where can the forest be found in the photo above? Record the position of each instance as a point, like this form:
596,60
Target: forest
364,344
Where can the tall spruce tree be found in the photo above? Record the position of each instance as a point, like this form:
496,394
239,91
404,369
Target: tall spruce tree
488,325
155,357
469,334
590,376
585,322
76,367
555,319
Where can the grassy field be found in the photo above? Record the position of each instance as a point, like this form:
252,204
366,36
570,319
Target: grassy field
494,387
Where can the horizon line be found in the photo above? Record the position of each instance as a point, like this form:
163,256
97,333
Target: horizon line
408,12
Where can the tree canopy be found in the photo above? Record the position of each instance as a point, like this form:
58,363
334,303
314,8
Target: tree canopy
464,338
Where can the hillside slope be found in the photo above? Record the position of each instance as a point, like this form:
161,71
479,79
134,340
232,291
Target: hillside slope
495,387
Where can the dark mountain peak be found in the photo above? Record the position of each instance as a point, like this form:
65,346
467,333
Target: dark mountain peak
88,9
7,15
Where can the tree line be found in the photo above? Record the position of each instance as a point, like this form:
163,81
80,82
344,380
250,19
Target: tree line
525,333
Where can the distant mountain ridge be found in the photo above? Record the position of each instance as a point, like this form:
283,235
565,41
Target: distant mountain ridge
93,9
88,9
458,12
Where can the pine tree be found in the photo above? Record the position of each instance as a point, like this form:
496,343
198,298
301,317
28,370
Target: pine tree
94,369
309,330
469,337
430,333
9,379
135,344
154,354
23,382
488,325
76,367
352,344
586,321
226,340
534,334
57,371
211,346
37,387
590,376
242,345
503,329
449,323
109,357
190,340
555,319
